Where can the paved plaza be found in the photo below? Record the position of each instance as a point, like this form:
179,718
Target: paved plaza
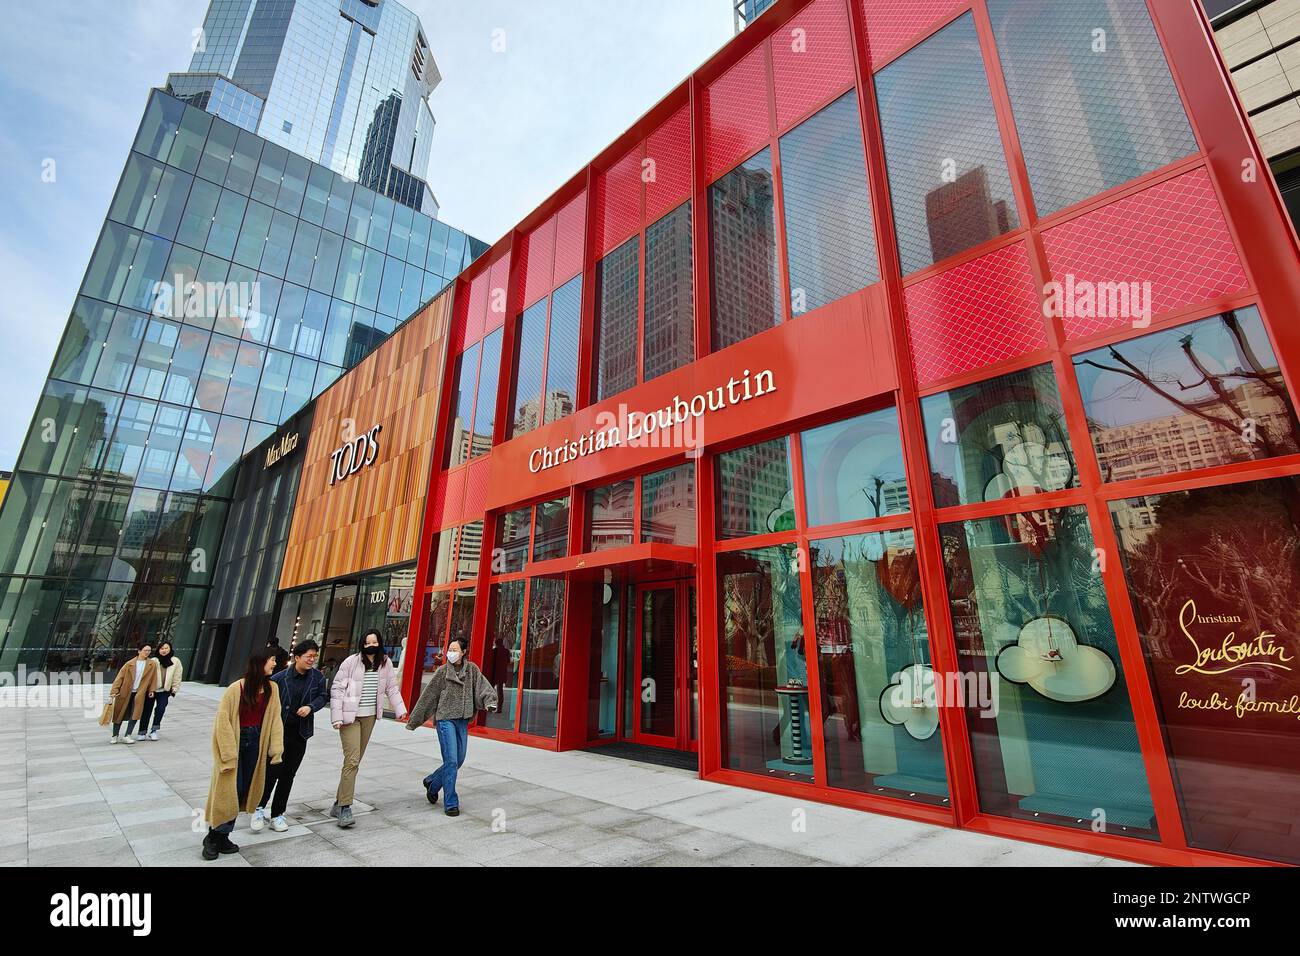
68,797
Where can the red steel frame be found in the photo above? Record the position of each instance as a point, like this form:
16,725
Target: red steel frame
1269,252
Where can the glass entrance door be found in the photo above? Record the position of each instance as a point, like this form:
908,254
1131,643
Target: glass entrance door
662,668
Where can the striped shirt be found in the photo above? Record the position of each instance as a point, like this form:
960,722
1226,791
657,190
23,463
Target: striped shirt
369,694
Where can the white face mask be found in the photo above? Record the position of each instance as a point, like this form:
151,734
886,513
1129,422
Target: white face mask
453,656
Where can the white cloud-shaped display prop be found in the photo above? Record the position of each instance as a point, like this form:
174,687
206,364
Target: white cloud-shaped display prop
1049,658
911,702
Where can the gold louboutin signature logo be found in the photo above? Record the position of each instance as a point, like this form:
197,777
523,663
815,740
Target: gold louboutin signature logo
1232,653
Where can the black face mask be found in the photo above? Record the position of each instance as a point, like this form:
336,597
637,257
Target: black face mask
371,650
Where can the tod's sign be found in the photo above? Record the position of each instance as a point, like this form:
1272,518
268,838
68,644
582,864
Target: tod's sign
351,457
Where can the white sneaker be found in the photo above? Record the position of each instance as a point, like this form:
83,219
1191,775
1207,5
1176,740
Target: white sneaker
279,824
114,739
153,735
128,739
140,738
258,821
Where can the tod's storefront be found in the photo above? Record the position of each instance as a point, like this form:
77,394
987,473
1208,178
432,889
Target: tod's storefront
788,443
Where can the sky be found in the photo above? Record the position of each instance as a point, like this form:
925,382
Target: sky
532,90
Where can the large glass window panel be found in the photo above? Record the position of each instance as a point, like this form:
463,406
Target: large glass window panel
79,352
196,220
1003,438
70,514
381,222
399,239
302,255
390,290
70,431
279,243
325,268
830,238
485,405
210,393
745,282
243,164
288,316
551,530
243,380
853,469
196,448
162,118
340,201
358,230
530,354
293,185
187,147
266,183
372,274
669,339
463,386
1105,113
125,334
123,259
224,234
311,331
127,447
504,649
880,705
418,249
562,350
298,390
186,364
755,490
73,635
23,519
541,679
436,259
158,459
271,388
412,285
1212,574
766,727
215,162
1200,395
347,281
948,176
1030,617
469,549
316,199
668,506
611,516
618,288
252,234
151,197
513,528
88,551
227,449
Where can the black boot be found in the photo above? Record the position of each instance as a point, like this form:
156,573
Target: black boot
224,844
210,850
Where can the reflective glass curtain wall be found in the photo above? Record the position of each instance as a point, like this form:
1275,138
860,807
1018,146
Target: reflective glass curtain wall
232,282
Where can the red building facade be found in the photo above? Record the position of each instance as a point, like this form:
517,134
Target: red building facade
900,414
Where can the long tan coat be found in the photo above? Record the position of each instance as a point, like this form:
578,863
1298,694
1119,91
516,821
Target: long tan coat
121,690
223,790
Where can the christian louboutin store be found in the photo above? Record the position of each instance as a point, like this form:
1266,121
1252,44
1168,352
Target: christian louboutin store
900,415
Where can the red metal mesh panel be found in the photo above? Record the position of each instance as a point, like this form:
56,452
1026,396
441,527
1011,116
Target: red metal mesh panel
498,284
476,488
618,201
538,253
460,319
975,314
477,314
1172,235
894,24
812,60
570,230
737,120
438,501
670,148
453,498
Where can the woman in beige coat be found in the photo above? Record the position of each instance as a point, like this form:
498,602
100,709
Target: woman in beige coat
247,735
133,685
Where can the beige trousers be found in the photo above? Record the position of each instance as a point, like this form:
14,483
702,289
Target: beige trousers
354,737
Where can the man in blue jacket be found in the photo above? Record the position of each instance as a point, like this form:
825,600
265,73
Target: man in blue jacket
303,691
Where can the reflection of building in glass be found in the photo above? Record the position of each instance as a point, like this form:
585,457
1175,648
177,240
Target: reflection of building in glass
558,405
344,83
745,285
963,214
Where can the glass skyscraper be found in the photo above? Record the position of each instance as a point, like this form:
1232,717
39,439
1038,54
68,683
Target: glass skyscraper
343,83
234,279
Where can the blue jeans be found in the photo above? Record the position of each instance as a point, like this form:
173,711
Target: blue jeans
453,738
250,746
154,706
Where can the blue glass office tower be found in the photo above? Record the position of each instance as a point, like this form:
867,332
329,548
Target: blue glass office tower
343,83
233,280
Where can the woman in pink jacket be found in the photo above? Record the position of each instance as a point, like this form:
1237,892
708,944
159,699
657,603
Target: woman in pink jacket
361,685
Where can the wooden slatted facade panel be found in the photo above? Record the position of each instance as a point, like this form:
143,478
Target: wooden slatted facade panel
372,518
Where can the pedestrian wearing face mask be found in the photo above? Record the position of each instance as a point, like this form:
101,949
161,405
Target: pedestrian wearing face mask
453,697
361,685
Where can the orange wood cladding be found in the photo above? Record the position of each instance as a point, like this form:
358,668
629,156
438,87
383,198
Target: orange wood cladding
372,518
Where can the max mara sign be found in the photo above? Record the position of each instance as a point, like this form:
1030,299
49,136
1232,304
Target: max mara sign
680,423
